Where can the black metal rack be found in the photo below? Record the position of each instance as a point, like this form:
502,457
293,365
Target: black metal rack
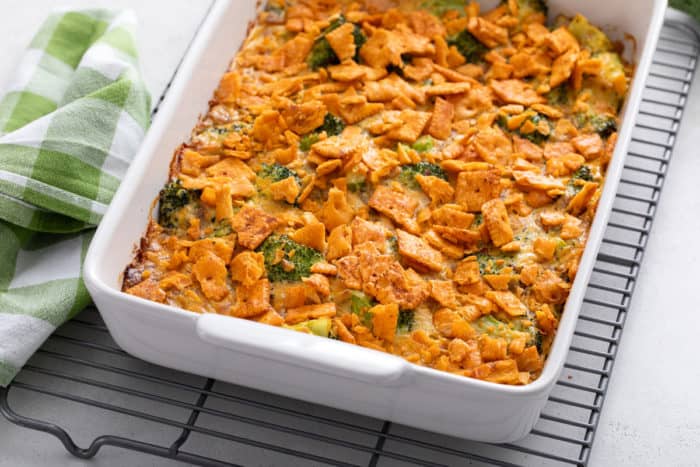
205,422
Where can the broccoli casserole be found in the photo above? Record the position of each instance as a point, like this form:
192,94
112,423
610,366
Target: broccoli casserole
416,177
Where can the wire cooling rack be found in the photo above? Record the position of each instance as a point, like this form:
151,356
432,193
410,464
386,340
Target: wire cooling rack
206,422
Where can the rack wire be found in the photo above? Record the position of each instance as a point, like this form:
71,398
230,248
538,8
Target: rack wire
206,422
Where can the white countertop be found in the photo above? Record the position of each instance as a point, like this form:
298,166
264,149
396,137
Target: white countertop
651,414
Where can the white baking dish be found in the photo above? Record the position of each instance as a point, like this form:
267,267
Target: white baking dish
304,366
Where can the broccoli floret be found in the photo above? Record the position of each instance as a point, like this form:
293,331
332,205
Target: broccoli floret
356,182
222,228
322,54
275,13
440,7
172,198
492,263
583,173
527,324
488,324
332,125
218,130
534,136
409,172
469,46
612,72
405,321
391,68
601,96
393,245
537,137
398,69
360,305
589,36
562,95
502,122
307,141
478,219
527,8
277,172
359,39
287,260
423,144
604,125
536,339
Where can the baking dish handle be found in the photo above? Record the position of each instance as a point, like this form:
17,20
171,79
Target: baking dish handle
308,351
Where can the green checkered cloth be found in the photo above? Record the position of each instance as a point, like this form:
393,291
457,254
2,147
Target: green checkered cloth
692,7
72,119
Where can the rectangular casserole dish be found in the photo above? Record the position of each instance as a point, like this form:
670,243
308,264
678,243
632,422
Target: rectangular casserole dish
300,365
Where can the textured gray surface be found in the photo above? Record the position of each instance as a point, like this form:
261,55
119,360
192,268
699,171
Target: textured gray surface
651,414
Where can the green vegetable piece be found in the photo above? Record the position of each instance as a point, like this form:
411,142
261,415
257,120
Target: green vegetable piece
583,173
272,173
527,8
488,324
589,36
307,141
356,183
393,245
537,137
332,125
468,45
322,54
294,264
405,322
492,263
502,122
320,326
398,69
409,172
562,95
605,125
440,7
172,198
423,144
218,130
273,6
536,339
222,228
360,304
496,328
277,172
275,13
359,38
612,68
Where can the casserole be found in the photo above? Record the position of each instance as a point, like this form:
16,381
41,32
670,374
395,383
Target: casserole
299,365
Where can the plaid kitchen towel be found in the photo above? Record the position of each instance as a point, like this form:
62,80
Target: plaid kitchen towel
692,7
73,117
